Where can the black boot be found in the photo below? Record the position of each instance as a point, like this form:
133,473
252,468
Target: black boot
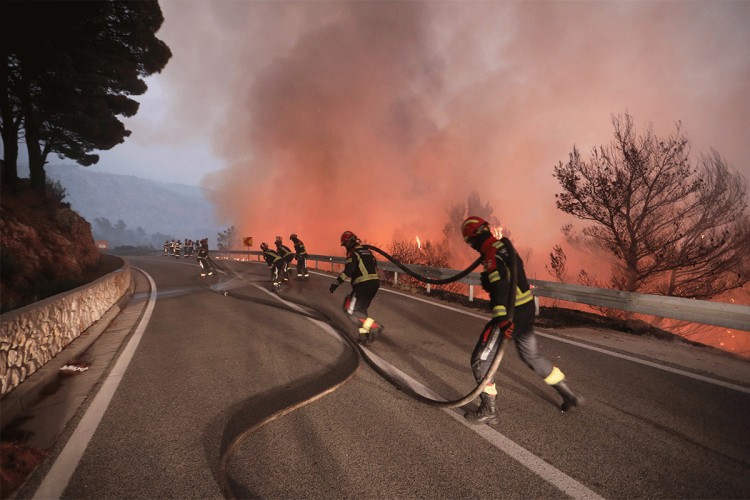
486,413
365,337
570,399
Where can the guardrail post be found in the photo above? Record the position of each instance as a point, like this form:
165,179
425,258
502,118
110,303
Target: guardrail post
428,288
331,264
471,293
395,278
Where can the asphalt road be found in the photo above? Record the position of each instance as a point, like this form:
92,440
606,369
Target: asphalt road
244,391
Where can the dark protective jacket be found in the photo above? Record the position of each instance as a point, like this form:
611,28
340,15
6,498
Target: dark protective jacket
299,249
496,277
271,257
203,252
284,252
360,266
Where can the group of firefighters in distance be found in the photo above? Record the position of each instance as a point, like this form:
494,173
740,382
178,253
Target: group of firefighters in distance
197,247
360,268
279,260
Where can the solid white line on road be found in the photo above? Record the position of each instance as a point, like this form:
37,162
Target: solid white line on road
54,483
652,364
684,373
544,470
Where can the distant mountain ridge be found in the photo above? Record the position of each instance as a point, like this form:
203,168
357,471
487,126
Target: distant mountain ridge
175,210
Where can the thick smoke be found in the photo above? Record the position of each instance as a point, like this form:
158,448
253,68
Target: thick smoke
376,117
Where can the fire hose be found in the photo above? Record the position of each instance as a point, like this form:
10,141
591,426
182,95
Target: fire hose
510,307
359,351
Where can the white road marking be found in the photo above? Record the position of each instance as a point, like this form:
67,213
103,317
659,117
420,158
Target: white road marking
62,470
543,469
652,364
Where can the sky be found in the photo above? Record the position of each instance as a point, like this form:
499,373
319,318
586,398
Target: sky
376,117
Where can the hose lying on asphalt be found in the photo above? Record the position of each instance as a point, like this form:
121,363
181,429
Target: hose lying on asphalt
361,354
396,383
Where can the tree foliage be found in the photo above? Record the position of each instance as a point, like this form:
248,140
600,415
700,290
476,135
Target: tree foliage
227,239
70,69
119,234
673,228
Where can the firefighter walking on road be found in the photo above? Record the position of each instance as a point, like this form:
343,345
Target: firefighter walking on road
498,255
361,268
300,254
274,262
204,259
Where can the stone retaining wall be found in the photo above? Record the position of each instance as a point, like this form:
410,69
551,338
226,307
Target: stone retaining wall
33,335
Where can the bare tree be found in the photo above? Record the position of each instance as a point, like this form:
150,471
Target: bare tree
672,228
558,264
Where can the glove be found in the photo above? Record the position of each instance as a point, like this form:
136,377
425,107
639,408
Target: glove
334,286
507,328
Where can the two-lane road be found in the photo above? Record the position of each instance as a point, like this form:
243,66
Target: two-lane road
207,367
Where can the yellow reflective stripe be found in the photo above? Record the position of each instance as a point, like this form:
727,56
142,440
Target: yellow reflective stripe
555,377
368,324
362,268
366,277
523,297
494,276
490,389
498,311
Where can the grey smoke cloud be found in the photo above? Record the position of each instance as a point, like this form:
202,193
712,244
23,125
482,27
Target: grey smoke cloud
377,116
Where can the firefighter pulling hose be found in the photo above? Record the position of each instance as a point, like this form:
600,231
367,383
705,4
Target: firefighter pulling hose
512,319
500,328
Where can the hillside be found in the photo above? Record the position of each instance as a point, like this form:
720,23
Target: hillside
45,248
174,211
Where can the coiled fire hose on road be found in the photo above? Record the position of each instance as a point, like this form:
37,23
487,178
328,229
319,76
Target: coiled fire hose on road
360,353
510,307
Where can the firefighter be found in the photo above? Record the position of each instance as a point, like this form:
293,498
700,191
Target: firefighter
301,255
204,260
496,280
178,249
166,247
286,255
362,269
274,263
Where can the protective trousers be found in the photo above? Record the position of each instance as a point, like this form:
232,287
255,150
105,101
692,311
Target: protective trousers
302,265
359,300
523,336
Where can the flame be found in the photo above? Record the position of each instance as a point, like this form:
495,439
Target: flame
419,243
497,231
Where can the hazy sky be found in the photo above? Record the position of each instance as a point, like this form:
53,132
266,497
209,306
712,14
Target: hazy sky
375,117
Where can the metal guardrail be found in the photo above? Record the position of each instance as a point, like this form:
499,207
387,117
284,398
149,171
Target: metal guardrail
697,311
